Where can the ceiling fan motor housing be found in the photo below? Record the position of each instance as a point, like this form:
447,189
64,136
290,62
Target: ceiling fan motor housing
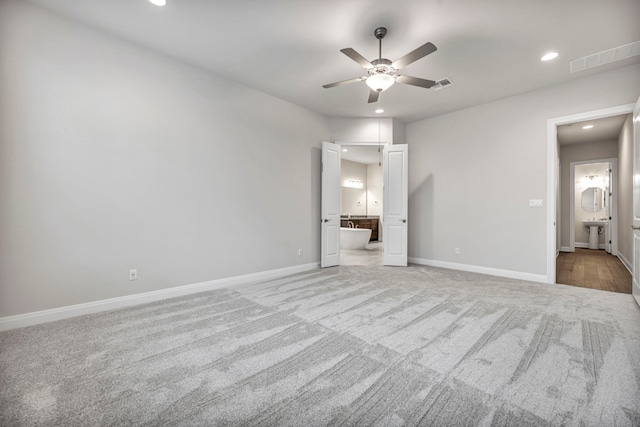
381,66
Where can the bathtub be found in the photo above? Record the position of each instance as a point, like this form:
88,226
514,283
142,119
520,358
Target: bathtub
354,238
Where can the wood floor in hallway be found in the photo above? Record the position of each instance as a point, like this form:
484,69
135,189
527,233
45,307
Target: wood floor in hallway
595,269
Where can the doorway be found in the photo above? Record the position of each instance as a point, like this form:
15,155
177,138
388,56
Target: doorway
362,200
593,197
394,203
559,195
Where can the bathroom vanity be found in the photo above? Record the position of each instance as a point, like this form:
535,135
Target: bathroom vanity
370,222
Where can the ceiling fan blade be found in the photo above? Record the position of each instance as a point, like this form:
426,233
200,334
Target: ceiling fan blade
343,82
373,96
413,56
415,81
356,57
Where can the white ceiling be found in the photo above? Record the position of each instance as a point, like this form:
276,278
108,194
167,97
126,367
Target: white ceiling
604,129
290,48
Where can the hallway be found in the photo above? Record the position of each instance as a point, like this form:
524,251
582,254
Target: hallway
595,269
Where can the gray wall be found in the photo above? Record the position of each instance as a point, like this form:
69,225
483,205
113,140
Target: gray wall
354,200
374,190
114,157
625,192
398,132
578,153
472,173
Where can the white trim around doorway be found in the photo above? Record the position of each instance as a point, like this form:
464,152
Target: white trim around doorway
553,179
613,209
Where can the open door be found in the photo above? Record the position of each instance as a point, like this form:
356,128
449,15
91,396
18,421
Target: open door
330,205
609,234
635,287
395,206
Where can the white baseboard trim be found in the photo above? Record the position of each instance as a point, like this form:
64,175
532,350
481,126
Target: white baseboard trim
626,262
586,245
482,270
29,319
566,249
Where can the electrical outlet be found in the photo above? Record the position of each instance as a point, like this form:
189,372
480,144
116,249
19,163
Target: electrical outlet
299,252
456,251
133,274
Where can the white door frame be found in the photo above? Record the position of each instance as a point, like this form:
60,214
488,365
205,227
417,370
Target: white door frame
553,177
635,226
613,208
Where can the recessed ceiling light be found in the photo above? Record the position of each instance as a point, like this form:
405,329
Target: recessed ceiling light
158,2
587,126
549,56
379,111
344,150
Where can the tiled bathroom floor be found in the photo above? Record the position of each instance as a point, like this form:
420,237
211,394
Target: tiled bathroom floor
372,255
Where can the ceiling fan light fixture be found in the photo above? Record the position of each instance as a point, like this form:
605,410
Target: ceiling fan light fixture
380,81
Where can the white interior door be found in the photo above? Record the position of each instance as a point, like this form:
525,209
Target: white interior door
330,205
636,203
395,205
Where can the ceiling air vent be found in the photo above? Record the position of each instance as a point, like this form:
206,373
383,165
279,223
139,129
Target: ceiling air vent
443,83
601,58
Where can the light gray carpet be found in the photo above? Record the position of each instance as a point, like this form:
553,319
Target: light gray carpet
342,346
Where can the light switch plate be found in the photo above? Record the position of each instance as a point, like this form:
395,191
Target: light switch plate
535,203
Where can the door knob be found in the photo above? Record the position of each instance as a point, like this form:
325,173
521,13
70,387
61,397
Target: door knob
326,220
404,220
635,228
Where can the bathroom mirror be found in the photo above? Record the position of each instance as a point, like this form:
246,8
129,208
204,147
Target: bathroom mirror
593,199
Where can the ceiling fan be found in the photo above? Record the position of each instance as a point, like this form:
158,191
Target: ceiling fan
382,72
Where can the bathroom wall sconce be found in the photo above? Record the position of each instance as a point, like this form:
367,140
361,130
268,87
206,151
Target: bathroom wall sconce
353,183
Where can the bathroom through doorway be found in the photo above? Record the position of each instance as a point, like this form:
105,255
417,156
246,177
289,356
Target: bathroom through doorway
362,203
594,160
593,196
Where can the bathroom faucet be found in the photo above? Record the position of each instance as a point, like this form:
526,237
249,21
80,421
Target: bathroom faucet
350,224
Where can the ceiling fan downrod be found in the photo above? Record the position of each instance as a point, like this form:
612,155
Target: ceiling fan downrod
380,32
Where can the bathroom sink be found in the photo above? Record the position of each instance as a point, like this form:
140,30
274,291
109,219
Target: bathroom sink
594,231
595,223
